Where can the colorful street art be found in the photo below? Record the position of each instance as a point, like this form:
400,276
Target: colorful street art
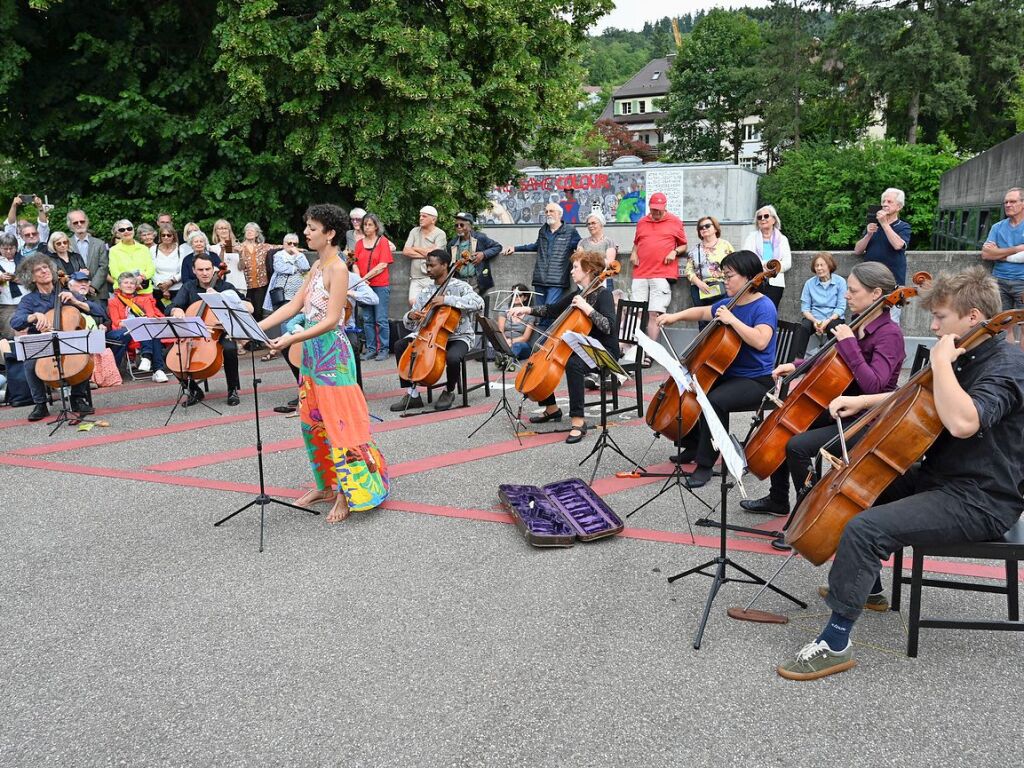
620,195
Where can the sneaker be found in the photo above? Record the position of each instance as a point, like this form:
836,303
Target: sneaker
444,402
381,356
159,376
406,403
368,354
591,381
816,660
877,602
82,407
145,365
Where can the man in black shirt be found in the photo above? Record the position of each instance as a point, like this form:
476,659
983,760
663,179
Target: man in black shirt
207,280
967,488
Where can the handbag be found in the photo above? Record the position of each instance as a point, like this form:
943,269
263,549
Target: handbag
277,297
105,372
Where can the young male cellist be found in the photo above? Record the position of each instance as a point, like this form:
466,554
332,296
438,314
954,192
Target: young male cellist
967,488
458,294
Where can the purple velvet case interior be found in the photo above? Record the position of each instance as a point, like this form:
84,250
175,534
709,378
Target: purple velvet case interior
537,516
584,509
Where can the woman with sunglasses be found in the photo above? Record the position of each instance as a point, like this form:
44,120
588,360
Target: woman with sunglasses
743,384
703,265
167,255
63,257
128,255
768,242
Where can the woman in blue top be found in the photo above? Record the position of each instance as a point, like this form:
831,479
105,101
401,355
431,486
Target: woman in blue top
743,384
822,302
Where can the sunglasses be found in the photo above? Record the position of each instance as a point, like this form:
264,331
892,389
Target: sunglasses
30,234
126,229
60,242
707,225
167,235
763,216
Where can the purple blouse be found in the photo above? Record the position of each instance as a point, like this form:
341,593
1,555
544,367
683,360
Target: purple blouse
877,358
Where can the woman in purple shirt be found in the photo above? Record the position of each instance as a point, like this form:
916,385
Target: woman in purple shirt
875,356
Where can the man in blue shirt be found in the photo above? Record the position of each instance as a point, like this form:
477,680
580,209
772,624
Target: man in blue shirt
888,240
1005,247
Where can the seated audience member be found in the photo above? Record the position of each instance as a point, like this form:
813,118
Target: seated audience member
517,333
127,303
822,302
197,247
10,291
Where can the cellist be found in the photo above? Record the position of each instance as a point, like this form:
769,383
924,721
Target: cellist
967,488
875,356
458,294
600,308
743,384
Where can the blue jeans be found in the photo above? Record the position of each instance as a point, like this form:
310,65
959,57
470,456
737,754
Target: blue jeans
152,349
548,294
521,350
375,321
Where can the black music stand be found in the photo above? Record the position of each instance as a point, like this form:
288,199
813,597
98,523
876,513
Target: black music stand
175,328
598,358
500,343
55,344
240,324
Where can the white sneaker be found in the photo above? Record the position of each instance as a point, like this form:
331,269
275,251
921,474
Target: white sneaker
145,365
159,376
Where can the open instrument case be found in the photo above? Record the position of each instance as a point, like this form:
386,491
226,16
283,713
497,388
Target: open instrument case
559,514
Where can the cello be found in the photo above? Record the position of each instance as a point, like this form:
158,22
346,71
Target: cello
198,359
825,376
72,369
424,360
897,432
543,371
708,356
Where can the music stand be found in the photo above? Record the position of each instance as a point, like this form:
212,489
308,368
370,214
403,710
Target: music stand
497,340
176,328
598,358
55,344
239,323
733,464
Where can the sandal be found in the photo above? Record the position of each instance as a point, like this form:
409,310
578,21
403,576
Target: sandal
269,356
336,515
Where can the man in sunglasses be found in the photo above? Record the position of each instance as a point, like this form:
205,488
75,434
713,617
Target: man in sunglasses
42,227
94,252
480,249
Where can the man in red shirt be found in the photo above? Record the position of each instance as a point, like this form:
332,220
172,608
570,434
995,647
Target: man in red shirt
658,242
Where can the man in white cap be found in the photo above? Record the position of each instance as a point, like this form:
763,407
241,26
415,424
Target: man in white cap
421,241
356,217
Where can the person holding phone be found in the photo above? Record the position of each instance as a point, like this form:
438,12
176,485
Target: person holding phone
887,238
42,227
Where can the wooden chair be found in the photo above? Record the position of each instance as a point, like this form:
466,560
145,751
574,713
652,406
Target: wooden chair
477,353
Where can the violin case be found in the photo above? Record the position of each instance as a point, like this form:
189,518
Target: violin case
559,514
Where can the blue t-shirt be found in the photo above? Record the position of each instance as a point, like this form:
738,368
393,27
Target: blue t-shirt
880,249
1006,236
750,363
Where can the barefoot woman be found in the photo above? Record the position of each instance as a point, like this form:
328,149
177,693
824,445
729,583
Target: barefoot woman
348,468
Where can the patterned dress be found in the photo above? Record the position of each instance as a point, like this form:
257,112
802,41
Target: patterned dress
335,419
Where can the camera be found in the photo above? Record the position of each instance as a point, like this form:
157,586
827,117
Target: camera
27,199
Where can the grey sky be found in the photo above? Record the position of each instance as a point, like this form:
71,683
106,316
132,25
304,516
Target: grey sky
632,14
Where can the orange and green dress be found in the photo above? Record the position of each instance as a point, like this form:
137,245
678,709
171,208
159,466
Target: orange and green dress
335,419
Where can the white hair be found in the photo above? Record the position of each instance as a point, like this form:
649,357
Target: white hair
775,215
259,232
596,215
901,198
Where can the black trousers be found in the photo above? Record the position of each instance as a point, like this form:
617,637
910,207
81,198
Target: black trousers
800,453
726,396
907,513
773,292
802,336
455,353
575,370
230,363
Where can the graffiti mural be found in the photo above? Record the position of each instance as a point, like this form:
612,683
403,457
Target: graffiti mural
620,195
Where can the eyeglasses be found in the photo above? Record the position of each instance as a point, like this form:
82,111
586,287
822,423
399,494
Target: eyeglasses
763,216
126,229
706,225
729,275
76,223
30,234
167,235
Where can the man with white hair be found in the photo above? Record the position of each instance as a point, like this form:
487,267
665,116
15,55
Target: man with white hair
887,241
356,217
421,241
94,252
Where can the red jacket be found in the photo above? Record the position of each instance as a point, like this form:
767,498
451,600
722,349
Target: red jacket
119,311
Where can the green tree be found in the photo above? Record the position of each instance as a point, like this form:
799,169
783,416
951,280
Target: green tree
822,191
253,108
713,87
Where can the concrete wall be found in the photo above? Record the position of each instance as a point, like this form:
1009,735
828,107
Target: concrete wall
982,180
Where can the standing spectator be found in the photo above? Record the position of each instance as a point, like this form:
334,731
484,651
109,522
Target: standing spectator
599,242
290,267
165,218
31,241
421,241
147,235
63,257
10,291
225,245
94,252
356,217
768,242
555,244
42,226
659,241
887,241
198,247
703,268
253,261
1005,246
822,303
167,258
371,250
130,256
481,250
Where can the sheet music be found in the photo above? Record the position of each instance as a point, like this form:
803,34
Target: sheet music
592,351
732,455
238,322
662,357
34,346
146,328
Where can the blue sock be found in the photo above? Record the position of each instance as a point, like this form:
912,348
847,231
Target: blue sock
837,632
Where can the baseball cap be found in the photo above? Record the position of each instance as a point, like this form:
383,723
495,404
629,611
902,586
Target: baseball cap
429,209
658,201
79,275
356,213
465,217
